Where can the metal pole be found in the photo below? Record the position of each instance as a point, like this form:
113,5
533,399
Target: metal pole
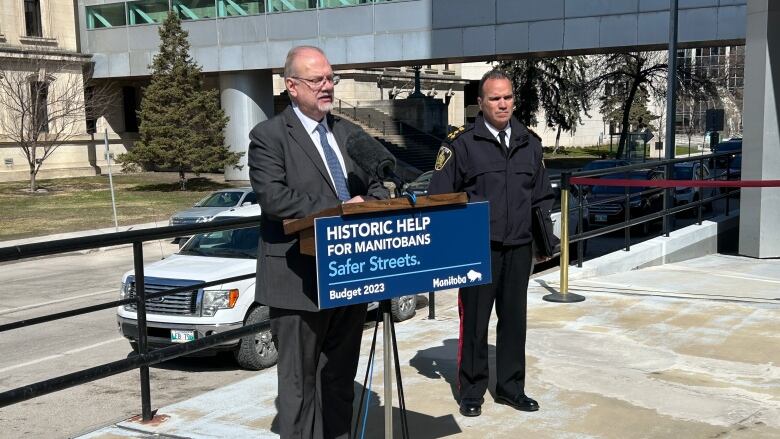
387,353
563,295
110,180
626,219
140,295
431,306
671,111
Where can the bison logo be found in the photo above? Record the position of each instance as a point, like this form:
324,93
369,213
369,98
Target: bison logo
474,276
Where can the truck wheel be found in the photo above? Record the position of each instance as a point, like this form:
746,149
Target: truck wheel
403,308
257,351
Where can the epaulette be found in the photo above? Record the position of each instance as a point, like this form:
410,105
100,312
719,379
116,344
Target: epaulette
533,133
455,133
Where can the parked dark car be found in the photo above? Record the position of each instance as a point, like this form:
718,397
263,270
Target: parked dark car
605,164
642,200
731,145
685,194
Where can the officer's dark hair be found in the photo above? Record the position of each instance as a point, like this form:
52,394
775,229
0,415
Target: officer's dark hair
493,74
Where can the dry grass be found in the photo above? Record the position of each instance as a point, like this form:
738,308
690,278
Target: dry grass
84,203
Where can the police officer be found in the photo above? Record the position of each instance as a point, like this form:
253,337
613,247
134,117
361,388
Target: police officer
499,160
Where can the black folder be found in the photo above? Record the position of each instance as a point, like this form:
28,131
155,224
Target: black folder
543,236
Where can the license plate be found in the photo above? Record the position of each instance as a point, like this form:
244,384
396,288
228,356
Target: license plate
601,218
178,336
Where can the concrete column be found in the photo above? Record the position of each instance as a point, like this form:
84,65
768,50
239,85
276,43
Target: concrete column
759,235
247,98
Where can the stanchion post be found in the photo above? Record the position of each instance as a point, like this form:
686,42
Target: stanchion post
563,295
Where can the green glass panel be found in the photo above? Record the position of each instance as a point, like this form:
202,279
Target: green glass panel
290,5
147,11
340,3
106,16
237,8
195,9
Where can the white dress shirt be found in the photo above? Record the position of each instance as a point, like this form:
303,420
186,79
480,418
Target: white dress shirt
494,131
310,125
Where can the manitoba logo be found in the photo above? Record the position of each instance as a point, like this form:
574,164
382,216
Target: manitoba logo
474,276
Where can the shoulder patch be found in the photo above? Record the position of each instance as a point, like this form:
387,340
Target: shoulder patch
442,157
455,133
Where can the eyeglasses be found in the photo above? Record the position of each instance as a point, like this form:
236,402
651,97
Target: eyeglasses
318,83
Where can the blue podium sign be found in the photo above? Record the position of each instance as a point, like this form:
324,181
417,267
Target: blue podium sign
367,258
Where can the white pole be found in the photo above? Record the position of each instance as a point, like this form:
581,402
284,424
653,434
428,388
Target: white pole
111,180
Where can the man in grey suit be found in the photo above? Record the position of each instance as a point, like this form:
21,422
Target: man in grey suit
298,166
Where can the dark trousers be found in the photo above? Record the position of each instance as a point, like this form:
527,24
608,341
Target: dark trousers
318,358
511,267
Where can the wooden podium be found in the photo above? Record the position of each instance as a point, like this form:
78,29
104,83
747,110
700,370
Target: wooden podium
304,227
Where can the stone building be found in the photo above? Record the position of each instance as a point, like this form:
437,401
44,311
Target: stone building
39,58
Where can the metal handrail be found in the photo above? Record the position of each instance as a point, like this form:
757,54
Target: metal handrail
664,212
143,359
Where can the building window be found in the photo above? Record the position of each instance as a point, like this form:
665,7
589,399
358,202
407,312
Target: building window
32,18
340,3
130,106
147,11
236,8
103,16
290,5
194,9
39,98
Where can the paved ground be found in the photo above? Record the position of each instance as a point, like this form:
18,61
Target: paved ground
685,350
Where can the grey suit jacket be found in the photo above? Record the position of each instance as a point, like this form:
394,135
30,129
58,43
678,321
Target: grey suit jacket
292,181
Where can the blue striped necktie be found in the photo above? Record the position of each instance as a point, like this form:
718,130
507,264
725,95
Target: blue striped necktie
333,165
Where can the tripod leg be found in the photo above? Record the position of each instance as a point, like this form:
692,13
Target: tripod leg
386,338
401,399
369,370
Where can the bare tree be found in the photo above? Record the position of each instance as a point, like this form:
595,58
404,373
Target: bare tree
45,101
638,72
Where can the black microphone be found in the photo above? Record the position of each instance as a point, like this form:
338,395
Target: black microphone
371,156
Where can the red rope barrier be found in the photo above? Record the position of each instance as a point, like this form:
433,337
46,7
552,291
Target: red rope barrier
673,183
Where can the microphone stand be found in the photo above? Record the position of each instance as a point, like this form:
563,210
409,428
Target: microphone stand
390,344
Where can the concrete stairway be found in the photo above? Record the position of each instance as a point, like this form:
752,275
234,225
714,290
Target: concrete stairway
408,144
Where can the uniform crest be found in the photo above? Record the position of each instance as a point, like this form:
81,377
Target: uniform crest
455,133
442,157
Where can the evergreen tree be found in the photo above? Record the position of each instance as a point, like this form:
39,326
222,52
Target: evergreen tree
181,124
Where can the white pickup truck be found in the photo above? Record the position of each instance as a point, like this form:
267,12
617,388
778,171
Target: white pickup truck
198,313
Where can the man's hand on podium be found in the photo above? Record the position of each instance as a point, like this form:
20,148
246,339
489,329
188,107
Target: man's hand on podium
357,199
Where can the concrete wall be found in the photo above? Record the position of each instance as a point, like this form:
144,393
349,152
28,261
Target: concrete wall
406,32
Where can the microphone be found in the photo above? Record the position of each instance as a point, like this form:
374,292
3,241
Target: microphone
371,156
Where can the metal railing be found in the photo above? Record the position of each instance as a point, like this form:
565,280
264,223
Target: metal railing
144,358
655,169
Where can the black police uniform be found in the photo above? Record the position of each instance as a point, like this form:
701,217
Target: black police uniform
513,179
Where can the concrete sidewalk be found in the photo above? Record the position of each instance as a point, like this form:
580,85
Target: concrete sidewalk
689,349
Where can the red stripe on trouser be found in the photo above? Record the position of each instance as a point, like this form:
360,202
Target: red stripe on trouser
460,337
